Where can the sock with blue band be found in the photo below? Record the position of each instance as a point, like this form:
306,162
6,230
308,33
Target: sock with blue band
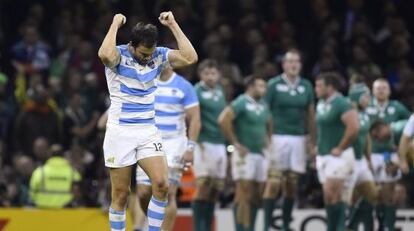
117,220
155,214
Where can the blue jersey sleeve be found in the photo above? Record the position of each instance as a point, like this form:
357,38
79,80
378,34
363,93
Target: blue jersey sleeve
164,52
190,95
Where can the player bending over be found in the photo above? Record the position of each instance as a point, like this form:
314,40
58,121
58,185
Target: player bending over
131,136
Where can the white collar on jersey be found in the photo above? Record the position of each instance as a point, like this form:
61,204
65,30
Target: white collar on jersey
172,77
289,83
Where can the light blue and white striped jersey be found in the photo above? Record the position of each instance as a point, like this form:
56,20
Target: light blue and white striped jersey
171,99
132,87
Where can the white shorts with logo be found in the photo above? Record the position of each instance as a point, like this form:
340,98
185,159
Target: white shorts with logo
251,167
338,167
124,145
361,172
378,164
288,153
174,149
210,160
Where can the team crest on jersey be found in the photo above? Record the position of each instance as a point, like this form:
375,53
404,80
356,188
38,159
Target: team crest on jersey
391,110
301,89
371,110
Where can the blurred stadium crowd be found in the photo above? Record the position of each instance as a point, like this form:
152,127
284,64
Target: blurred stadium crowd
53,89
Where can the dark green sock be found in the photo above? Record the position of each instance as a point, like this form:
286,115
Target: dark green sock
209,215
379,210
355,213
253,213
239,227
340,213
366,215
330,217
268,206
390,217
198,207
287,212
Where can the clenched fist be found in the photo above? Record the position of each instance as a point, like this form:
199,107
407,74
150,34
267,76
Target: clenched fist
167,18
119,20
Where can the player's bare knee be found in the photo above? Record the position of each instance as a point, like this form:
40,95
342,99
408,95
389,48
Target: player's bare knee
120,196
160,187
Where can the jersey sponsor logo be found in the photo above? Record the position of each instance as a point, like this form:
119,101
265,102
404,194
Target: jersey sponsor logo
282,88
258,108
371,110
215,96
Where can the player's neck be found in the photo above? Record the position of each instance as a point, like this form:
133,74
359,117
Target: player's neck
382,103
251,95
291,78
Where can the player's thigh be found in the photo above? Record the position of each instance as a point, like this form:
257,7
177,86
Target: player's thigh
279,156
120,179
243,168
260,169
119,146
174,149
368,190
156,169
298,154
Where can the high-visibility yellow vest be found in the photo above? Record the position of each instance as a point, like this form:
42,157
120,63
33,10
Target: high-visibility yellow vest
51,184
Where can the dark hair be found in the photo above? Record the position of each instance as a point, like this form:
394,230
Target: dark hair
251,80
376,125
144,34
357,78
330,79
207,63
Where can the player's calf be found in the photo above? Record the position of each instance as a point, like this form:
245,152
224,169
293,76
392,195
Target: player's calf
144,193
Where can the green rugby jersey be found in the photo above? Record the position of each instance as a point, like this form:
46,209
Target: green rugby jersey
391,112
212,103
330,127
250,122
360,144
289,104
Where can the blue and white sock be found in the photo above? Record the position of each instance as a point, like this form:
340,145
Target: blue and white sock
117,219
156,211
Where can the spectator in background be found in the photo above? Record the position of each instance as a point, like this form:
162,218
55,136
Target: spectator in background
40,150
6,112
31,53
76,126
362,63
53,184
24,167
36,119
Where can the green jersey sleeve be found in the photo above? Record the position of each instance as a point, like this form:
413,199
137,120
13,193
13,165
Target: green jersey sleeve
270,91
403,112
344,106
237,106
311,94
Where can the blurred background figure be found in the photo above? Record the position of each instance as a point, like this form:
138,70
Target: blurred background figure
53,185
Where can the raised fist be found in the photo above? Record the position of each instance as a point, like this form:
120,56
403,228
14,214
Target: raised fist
166,18
119,20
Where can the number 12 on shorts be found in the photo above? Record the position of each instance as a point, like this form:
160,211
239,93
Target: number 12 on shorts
158,147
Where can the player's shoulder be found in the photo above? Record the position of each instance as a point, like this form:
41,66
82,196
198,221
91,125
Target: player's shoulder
396,103
123,50
305,82
276,79
181,82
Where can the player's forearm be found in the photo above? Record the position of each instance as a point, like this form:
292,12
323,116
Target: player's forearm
368,149
185,47
351,132
194,128
311,122
403,147
108,52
